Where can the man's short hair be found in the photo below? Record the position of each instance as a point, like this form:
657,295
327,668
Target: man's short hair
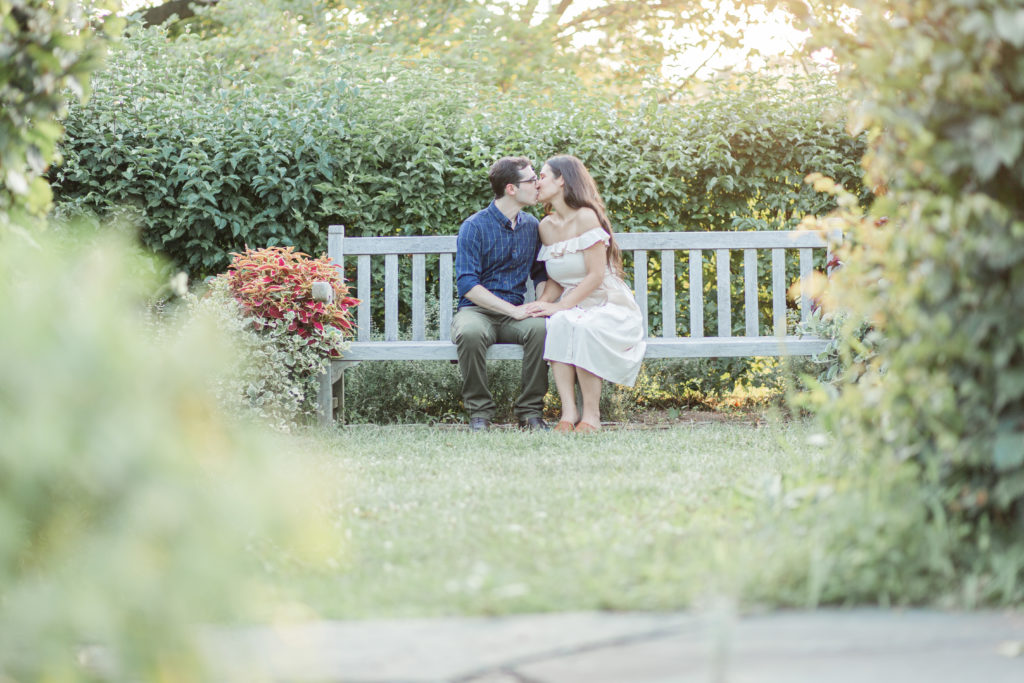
504,171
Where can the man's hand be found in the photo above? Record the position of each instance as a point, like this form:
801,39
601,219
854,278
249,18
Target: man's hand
483,298
542,309
520,312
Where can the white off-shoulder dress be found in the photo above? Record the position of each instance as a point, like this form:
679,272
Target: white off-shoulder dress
603,333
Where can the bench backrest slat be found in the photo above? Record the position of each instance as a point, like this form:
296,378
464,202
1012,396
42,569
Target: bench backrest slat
806,265
750,291
724,294
696,293
419,296
640,284
779,292
668,293
396,250
363,293
446,297
391,297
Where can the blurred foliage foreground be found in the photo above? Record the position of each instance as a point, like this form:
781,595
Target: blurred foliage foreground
131,508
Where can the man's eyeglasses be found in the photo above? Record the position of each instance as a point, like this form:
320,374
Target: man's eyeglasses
530,181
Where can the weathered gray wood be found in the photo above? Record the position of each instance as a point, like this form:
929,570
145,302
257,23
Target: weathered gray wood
322,291
391,297
787,239
433,244
325,399
779,292
806,264
750,291
835,239
696,293
444,297
724,293
421,350
640,284
419,296
734,347
335,244
652,241
363,271
667,346
657,347
668,293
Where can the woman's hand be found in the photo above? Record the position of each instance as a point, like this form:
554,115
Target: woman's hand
543,309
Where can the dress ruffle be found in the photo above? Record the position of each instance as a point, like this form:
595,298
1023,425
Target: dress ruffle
573,244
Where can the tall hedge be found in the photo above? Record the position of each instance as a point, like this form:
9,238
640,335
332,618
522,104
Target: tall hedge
937,264
211,155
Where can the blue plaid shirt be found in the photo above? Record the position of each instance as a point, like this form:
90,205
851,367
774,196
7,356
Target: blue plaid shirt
490,253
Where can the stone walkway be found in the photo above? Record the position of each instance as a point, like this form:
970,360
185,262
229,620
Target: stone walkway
823,646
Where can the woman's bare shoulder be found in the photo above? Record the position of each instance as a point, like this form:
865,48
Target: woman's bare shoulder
547,229
585,220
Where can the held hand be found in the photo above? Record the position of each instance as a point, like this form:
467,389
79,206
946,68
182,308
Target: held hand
544,309
531,308
520,312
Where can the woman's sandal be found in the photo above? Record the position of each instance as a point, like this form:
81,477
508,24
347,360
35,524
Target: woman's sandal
564,427
586,428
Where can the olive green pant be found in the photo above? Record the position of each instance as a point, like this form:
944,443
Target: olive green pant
474,329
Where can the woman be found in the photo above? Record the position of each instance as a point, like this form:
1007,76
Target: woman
594,328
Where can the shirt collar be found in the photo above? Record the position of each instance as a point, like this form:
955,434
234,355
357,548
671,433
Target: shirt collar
497,215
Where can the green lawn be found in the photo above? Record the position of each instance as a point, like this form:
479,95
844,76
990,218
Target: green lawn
441,521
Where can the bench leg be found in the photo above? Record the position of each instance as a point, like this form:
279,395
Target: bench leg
325,398
331,379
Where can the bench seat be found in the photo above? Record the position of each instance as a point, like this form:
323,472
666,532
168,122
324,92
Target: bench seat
680,347
706,347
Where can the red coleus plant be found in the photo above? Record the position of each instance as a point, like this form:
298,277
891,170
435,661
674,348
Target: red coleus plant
269,283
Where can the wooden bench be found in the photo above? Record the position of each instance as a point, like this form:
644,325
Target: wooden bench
692,248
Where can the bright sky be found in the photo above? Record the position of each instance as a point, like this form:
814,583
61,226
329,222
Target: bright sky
769,34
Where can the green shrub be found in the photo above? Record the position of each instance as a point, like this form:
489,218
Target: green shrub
675,383
214,153
942,98
50,48
133,509
258,381
430,391
422,391
864,531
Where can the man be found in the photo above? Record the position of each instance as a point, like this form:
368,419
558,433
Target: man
496,251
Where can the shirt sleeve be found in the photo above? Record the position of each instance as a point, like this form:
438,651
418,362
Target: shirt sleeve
467,259
538,271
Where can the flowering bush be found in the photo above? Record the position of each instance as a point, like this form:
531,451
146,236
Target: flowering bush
273,291
275,284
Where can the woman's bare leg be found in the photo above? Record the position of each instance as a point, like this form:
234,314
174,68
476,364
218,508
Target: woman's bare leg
590,387
565,381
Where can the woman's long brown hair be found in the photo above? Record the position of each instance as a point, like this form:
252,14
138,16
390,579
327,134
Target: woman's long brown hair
580,191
